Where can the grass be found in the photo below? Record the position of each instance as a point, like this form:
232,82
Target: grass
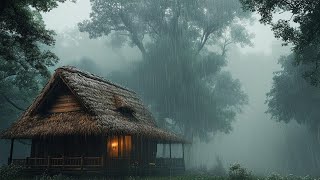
236,172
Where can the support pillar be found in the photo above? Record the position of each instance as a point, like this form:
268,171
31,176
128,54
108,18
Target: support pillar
184,166
182,151
11,152
170,149
170,168
119,141
141,151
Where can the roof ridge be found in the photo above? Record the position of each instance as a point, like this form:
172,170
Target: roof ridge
87,74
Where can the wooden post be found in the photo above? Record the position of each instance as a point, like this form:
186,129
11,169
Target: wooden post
48,165
124,151
81,162
119,147
170,168
102,161
11,152
63,162
182,151
141,151
27,162
106,151
170,149
184,167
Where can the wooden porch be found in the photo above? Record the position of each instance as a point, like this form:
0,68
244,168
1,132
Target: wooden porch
100,165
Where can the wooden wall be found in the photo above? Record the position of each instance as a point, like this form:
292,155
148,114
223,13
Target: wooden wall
140,149
144,150
59,100
119,146
64,102
74,146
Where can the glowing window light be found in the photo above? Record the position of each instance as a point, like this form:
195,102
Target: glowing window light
114,145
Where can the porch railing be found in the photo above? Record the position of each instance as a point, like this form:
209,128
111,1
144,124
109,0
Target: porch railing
60,162
117,165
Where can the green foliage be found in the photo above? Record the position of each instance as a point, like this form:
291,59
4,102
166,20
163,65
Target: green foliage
236,172
23,38
24,60
21,33
292,97
290,177
202,22
301,28
179,77
10,172
188,88
54,177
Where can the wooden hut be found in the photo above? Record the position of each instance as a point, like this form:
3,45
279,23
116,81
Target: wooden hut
82,122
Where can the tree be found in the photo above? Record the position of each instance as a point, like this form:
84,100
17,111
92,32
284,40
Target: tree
294,95
23,38
179,77
302,29
140,21
292,98
24,56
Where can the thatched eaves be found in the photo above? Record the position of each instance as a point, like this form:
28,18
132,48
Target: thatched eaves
103,104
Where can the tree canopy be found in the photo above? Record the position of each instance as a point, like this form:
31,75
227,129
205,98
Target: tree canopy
301,28
180,77
292,97
24,56
23,40
140,21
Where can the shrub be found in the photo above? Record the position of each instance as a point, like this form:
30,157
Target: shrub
9,172
55,177
236,172
289,177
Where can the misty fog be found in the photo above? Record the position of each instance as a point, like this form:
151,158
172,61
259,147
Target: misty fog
256,141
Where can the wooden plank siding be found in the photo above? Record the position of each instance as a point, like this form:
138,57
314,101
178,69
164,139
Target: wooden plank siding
91,146
64,103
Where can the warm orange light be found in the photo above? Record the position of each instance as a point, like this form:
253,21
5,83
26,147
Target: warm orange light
114,145
119,146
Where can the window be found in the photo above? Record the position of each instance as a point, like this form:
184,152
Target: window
119,146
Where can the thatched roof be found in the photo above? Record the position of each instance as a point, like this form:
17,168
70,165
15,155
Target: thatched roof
102,102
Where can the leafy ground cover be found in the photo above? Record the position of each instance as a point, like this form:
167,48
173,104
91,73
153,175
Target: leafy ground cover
235,172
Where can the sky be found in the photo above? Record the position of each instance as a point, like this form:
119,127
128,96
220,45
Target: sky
67,15
251,142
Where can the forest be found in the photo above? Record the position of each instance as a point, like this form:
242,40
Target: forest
239,79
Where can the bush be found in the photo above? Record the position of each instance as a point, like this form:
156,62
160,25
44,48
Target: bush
9,172
55,177
290,177
236,172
